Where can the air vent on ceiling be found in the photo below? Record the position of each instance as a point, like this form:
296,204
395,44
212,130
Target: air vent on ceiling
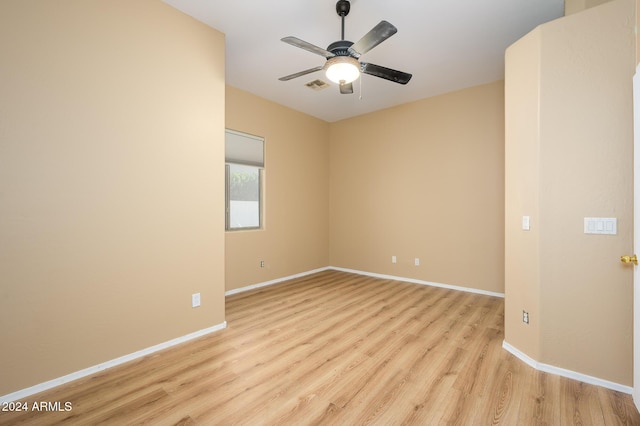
317,84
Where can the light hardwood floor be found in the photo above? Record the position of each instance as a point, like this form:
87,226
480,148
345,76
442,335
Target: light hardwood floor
339,349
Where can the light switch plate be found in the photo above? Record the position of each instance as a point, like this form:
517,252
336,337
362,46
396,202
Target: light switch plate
526,223
195,300
601,225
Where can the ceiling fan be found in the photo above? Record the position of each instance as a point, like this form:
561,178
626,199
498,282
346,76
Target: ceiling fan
343,65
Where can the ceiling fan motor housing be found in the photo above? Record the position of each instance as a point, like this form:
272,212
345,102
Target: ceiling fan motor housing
340,47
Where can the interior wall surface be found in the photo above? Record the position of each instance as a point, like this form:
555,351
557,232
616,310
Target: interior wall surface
585,153
111,182
575,6
522,193
587,121
295,234
425,181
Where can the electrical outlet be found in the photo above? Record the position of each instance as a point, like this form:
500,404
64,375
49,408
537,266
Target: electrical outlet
262,263
416,261
195,300
393,259
525,317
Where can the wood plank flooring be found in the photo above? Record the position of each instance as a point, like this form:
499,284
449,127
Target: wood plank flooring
339,349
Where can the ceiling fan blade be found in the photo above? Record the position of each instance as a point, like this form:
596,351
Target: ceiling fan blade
377,35
346,89
386,73
300,74
294,41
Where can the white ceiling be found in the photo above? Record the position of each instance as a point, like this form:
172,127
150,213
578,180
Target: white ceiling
446,44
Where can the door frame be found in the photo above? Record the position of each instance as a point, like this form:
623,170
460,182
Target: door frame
636,237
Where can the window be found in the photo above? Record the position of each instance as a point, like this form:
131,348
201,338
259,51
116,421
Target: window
243,195
244,158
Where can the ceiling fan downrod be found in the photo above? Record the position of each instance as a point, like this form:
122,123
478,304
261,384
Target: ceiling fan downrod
342,8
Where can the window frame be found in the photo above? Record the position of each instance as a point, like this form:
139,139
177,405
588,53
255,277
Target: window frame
244,162
227,191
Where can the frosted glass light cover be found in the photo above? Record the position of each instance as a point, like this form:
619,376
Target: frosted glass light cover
343,69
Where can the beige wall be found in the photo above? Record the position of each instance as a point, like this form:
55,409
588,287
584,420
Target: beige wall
522,192
111,182
424,180
575,6
295,237
584,147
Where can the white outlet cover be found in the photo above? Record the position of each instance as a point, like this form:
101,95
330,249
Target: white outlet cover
416,262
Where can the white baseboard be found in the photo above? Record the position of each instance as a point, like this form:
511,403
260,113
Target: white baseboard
276,281
18,395
370,274
563,372
421,282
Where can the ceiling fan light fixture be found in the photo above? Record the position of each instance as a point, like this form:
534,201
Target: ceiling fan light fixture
343,69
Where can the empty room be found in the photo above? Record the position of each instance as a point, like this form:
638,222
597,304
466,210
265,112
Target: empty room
339,213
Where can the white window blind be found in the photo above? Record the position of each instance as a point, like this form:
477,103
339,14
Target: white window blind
241,148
